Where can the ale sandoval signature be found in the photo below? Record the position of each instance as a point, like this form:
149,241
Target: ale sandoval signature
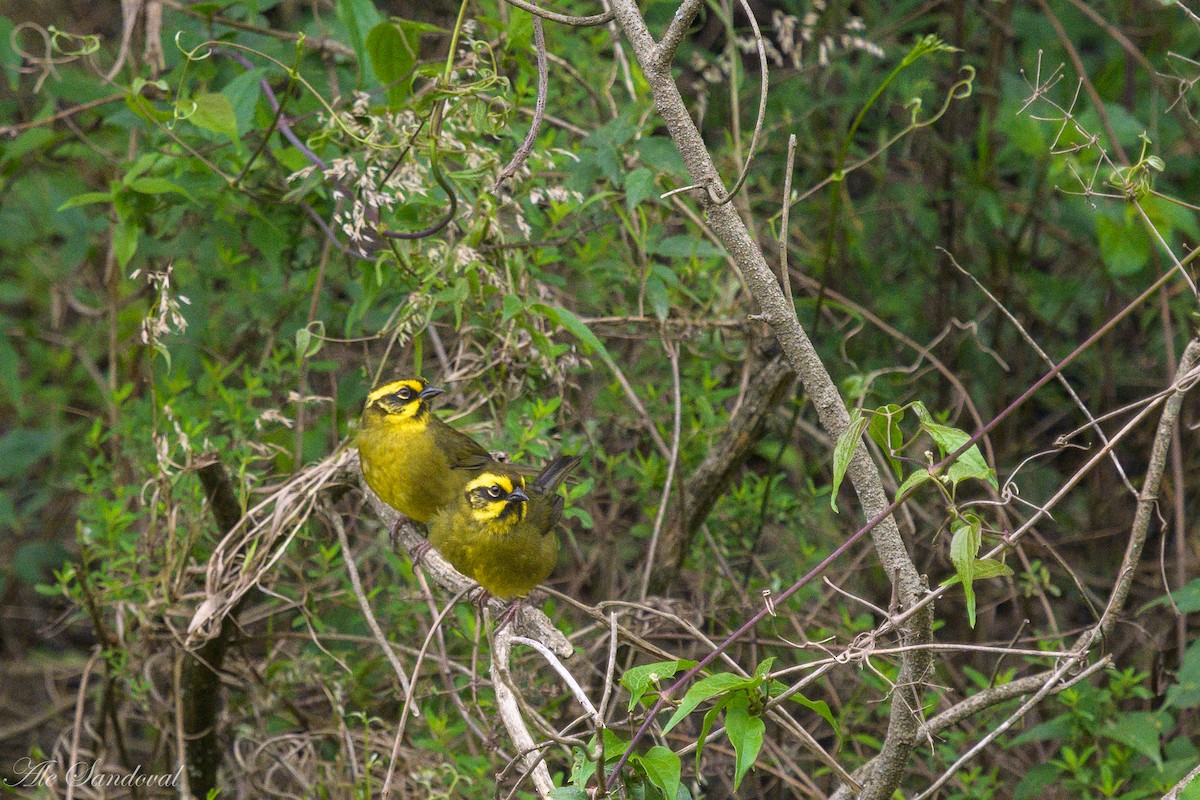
28,772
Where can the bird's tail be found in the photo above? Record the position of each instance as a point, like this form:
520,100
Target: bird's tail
553,473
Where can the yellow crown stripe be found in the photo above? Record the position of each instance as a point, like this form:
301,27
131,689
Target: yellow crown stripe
491,479
391,388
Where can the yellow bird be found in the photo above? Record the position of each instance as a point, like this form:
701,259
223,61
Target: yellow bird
500,532
416,463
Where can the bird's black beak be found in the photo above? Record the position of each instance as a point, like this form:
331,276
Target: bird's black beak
518,495
431,391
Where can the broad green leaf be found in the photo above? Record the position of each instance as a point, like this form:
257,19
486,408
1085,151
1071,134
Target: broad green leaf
520,34
682,247
1035,783
34,561
639,186
1124,244
1187,599
243,93
214,113
710,717
568,793
1186,693
511,305
916,478
970,463
359,17
1141,730
393,57
745,732
703,690
21,448
662,769
843,451
660,154
641,678
990,568
125,241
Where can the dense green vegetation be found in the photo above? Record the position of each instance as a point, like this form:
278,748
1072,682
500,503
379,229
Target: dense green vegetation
212,253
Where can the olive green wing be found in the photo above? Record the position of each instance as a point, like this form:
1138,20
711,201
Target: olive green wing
462,452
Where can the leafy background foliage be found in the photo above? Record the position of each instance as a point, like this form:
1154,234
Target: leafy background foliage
179,280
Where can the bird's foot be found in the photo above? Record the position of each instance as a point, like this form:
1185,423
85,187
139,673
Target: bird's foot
479,596
509,614
419,552
401,521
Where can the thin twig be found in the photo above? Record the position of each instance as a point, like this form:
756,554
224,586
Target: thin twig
672,464
335,520
539,108
565,19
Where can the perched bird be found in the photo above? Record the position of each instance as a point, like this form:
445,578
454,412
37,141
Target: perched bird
416,463
500,531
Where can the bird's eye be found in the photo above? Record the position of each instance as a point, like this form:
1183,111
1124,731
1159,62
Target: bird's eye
404,394
493,491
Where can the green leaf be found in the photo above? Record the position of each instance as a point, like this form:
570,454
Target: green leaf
214,113
641,678
916,478
1187,599
970,463
639,186
310,339
86,199
21,448
990,568
243,93
10,60
1186,693
818,707
703,690
660,154
843,451
144,108
710,717
359,17
885,431
662,769
520,34
511,305
1141,730
33,562
574,326
682,247
568,793
964,548
393,57
656,295
1124,244
125,241
745,732
157,186
1036,782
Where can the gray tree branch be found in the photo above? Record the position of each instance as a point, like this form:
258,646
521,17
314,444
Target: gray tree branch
729,227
